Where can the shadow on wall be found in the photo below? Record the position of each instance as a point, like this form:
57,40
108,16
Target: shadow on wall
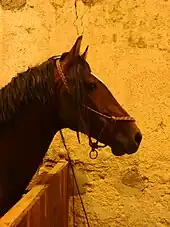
12,4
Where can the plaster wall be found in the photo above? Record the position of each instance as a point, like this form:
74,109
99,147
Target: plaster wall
130,51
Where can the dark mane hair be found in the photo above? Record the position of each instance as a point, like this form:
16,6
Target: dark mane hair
76,83
35,83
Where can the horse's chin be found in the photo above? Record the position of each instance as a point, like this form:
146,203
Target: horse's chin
118,149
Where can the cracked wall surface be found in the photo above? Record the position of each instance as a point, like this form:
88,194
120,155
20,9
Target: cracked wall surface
130,51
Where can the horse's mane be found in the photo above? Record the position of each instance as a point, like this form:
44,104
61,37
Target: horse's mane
35,83
76,83
38,83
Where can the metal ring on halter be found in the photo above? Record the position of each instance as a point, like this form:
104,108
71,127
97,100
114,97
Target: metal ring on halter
93,151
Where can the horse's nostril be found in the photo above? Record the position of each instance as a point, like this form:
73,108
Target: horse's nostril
138,137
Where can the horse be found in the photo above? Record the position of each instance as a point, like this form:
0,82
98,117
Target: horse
62,92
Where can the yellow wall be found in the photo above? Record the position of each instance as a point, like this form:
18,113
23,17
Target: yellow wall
130,50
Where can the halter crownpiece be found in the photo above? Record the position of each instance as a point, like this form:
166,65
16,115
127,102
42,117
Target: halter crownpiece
61,74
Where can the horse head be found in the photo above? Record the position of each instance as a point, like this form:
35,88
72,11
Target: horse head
87,105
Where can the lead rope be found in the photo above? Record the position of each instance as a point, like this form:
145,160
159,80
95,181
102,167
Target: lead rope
75,180
94,145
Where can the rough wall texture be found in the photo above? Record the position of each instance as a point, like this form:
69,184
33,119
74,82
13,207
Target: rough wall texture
130,50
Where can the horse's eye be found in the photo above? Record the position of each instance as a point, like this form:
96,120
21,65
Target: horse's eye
91,87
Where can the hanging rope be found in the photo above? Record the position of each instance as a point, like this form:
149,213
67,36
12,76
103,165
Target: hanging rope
76,183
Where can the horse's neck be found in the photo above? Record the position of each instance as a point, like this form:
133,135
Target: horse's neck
25,141
39,120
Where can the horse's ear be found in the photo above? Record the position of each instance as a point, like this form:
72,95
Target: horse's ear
74,52
84,55
77,45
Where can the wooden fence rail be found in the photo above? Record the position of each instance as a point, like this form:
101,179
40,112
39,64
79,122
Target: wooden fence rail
45,205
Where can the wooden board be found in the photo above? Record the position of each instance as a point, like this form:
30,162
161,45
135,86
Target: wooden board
44,205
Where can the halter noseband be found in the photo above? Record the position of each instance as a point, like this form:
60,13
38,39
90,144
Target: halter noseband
93,145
